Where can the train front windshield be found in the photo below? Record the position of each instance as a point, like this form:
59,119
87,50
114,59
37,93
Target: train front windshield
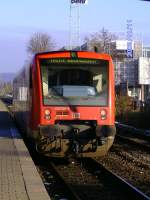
82,83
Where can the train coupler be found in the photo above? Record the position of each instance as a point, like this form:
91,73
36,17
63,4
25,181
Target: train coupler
75,147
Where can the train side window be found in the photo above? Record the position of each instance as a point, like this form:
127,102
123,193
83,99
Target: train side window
30,78
45,78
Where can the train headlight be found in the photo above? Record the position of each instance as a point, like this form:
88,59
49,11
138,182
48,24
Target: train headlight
47,114
103,114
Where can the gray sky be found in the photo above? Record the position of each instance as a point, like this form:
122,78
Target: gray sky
20,19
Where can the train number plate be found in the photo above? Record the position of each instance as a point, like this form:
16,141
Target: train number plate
76,115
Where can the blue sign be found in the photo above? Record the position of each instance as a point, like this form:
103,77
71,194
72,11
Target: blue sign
129,39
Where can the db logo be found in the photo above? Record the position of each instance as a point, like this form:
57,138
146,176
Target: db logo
78,1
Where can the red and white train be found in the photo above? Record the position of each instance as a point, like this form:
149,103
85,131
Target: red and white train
65,103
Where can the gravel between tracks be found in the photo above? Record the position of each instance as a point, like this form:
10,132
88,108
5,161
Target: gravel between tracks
129,162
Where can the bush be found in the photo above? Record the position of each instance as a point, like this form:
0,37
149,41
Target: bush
126,113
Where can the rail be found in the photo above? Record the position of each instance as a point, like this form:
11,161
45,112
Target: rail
87,179
132,129
127,188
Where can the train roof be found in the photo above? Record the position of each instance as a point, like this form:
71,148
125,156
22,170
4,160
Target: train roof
105,55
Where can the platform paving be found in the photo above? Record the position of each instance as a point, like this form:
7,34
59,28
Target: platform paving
19,178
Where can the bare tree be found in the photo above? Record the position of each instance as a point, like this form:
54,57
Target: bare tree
5,88
102,41
40,42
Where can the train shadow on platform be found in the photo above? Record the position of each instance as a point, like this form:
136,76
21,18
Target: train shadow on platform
7,127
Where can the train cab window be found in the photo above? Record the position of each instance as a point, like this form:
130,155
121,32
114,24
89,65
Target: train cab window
75,85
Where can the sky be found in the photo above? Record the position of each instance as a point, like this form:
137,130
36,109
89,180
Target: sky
19,20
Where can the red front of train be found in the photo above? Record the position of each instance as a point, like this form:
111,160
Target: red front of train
65,101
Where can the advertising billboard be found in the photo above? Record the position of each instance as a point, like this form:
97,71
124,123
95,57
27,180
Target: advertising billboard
144,71
122,45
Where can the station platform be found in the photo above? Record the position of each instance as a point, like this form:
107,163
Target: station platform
19,178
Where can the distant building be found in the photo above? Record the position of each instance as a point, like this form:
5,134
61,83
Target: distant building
120,48
146,52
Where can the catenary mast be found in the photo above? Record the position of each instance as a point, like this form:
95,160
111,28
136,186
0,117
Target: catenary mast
74,35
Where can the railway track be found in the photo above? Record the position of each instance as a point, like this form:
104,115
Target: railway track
133,136
132,131
82,179
86,179
139,143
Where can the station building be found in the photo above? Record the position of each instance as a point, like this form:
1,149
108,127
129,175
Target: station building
134,72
